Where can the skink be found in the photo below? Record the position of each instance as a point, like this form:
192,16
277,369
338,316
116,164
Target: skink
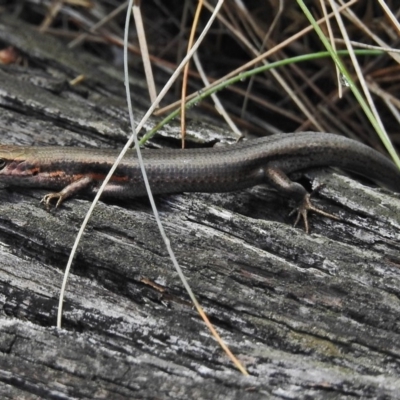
220,169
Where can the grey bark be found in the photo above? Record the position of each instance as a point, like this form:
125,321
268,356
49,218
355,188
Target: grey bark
310,316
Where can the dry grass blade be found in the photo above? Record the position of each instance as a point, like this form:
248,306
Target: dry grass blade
391,16
186,71
51,14
218,105
144,50
99,24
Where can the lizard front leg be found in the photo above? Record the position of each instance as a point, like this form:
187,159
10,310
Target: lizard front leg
70,190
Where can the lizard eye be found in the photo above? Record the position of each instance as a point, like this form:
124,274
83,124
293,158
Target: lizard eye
2,163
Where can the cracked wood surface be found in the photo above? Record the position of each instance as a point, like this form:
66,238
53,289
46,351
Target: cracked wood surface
308,315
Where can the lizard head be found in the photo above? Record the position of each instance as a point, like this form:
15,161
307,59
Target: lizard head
12,164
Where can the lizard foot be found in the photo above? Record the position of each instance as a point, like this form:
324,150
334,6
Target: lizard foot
49,197
305,206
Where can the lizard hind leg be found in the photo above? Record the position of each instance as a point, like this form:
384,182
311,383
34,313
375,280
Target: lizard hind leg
278,179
